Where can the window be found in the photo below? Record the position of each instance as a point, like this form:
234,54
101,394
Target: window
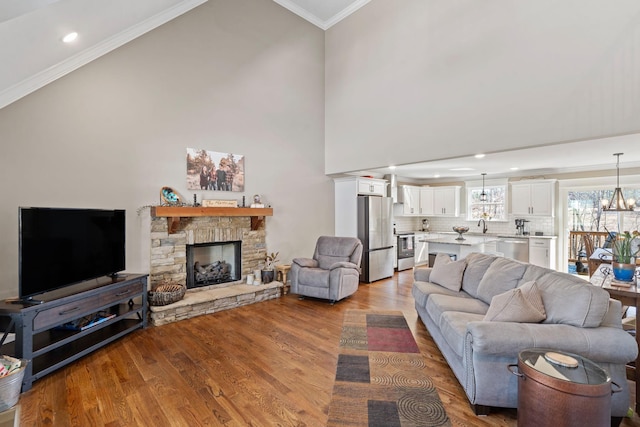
495,208
586,214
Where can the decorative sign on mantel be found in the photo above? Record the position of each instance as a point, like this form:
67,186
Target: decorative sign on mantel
220,203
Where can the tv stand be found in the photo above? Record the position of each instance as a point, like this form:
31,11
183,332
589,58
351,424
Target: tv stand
24,301
41,339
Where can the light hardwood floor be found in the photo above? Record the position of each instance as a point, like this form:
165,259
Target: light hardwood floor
267,364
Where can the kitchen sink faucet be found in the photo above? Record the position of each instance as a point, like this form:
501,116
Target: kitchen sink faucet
484,225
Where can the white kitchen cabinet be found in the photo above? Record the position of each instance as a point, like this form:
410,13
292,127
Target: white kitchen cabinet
533,198
542,252
426,201
372,186
395,253
346,202
410,200
421,254
446,201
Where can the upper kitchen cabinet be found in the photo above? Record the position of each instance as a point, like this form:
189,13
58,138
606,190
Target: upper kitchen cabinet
416,201
430,201
533,198
446,201
346,195
409,196
372,186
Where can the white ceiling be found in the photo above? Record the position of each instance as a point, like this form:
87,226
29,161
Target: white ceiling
33,55
540,161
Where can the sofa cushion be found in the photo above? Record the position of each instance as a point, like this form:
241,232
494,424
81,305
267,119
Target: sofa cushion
453,327
421,292
437,305
502,275
522,304
448,273
573,301
477,265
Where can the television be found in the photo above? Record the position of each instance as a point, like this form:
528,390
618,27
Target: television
59,247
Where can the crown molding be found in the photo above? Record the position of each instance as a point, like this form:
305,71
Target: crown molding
325,25
43,78
344,13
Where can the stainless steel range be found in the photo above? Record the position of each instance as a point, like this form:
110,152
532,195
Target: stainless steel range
406,251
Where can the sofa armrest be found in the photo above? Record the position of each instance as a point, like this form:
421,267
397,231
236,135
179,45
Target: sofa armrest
344,264
602,344
422,274
306,262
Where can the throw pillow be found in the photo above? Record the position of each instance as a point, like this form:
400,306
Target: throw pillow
502,275
523,305
447,273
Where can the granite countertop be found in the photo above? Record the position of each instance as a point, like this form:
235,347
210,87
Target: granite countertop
447,236
468,240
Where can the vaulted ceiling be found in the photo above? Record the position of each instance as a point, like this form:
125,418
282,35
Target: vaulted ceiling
32,55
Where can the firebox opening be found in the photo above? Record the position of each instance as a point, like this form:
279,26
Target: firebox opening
213,263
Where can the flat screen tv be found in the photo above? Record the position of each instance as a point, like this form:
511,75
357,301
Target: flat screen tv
60,247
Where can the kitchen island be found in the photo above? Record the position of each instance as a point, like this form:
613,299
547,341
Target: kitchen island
449,244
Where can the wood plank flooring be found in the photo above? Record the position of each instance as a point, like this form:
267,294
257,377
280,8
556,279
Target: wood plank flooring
267,364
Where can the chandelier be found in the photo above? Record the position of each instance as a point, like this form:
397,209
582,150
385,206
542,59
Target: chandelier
617,202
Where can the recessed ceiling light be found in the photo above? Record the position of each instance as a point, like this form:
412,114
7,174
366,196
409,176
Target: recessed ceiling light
70,37
436,175
514,168
392,167
461,169
479,156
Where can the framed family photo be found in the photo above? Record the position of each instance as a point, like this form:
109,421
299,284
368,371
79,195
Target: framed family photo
214,171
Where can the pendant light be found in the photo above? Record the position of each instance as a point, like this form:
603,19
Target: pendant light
617,202
483,195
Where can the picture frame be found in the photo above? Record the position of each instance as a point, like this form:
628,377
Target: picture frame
214,171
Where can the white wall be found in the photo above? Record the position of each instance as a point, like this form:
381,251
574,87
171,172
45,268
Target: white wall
242,76
430,79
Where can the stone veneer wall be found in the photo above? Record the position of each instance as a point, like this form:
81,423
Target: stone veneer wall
169,251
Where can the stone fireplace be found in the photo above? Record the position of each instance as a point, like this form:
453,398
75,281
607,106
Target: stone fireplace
176,231
169,250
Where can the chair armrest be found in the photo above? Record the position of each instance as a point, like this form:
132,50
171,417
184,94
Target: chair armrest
344,264
306,262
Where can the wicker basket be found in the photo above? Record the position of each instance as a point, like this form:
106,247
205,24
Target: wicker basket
167,293
10,387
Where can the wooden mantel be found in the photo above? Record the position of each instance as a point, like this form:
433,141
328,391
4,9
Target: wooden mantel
174,213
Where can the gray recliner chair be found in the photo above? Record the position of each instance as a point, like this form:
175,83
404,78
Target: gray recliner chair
334,271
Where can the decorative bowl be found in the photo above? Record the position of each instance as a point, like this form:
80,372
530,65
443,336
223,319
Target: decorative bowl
460,230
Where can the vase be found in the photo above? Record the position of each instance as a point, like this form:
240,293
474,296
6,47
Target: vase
624,272
267,276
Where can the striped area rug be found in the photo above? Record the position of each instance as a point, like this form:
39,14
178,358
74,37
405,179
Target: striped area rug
381,378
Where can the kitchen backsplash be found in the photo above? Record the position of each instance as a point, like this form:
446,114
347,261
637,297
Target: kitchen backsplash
439,224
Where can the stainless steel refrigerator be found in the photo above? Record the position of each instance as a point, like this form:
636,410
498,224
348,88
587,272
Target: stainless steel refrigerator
375,230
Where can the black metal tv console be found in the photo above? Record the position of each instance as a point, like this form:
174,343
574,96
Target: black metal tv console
41,331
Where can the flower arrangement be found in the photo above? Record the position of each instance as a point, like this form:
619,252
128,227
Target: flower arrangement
623,246
270,261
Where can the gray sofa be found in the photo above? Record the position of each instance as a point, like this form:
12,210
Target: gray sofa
580,319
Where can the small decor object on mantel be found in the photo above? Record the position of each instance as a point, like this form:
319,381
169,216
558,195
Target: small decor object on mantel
268,272
257,202
169,197
220,203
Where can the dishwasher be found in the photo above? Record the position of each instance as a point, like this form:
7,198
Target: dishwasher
513,247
